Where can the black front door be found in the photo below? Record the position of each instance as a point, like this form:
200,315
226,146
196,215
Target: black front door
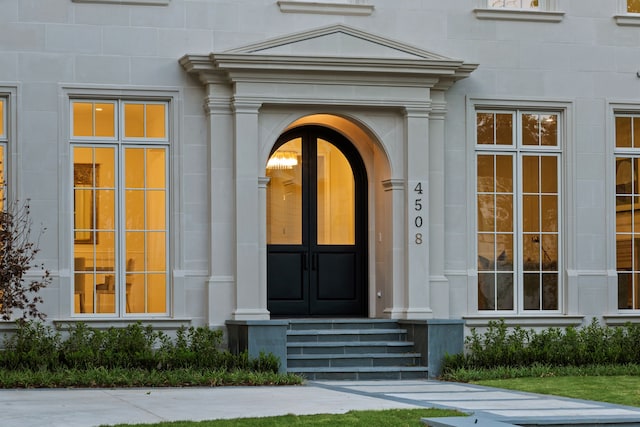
316,225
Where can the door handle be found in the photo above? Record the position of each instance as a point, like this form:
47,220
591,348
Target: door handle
314,262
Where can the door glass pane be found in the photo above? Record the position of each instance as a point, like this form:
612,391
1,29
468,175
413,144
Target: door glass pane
284,195
335,196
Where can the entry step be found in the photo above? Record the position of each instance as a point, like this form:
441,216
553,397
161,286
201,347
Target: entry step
358,373
346,335
363,360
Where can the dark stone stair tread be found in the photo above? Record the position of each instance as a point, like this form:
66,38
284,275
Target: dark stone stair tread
349,343
353,356
298,332
359,369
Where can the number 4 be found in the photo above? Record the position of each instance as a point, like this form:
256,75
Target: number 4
418,188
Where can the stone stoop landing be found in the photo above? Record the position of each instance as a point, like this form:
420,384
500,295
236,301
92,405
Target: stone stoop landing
352,349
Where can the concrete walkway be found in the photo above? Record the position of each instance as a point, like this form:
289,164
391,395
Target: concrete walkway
92,407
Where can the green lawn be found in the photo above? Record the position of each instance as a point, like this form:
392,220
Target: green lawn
622,389
390,417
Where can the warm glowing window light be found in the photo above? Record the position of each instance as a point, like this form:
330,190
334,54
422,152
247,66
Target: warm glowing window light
283,160
94,119
144,120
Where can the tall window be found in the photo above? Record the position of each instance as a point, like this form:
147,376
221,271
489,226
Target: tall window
627,157
633,6
120,192
518,210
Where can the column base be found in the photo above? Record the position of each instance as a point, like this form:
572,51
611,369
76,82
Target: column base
251,314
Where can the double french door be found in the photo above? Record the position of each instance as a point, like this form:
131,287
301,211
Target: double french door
316,225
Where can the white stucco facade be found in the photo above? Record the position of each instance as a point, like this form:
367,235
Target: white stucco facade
402,80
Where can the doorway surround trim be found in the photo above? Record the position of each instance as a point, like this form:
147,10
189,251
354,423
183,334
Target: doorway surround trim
325,68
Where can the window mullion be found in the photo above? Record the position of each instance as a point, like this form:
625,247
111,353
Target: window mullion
121,245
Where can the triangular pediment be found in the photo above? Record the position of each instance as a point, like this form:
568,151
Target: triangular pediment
336,41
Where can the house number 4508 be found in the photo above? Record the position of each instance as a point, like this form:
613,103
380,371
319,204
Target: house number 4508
417,206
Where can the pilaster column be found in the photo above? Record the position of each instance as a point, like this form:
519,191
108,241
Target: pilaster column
395,197
417,214
438,283
263,183
221,282
250,305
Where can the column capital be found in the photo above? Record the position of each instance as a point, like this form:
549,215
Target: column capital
263,181
217,105
246,105
393,184
422,110
439,111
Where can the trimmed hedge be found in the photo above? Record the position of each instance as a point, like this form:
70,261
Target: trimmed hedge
38,347
516,347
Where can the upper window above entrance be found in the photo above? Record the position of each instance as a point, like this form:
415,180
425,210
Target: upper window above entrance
628,13
327,7
519,10
514,4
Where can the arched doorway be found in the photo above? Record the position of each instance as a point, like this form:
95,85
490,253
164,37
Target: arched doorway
316,225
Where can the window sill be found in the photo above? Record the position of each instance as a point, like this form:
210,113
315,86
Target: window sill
519,15
129,2
324,8
105,323
628,20
621,319
525,320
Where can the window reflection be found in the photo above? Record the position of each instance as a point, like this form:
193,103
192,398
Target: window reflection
531,207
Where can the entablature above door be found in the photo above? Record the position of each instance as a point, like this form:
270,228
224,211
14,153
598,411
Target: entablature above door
334,55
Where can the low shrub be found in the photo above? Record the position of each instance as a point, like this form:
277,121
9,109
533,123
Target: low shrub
38,347
501,347
33,346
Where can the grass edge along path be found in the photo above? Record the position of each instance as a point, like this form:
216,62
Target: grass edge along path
618,389
387,417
